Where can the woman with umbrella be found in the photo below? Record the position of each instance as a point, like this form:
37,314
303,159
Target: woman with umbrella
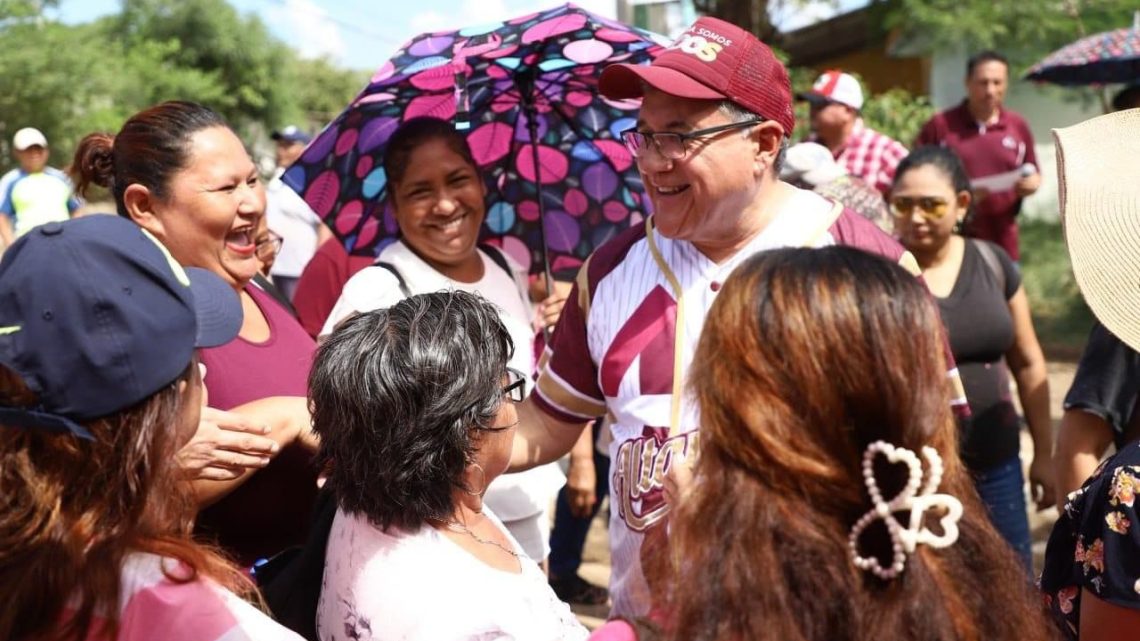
438,197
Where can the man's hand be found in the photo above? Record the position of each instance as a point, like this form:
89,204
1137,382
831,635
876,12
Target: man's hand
224,447
581,486
1027,185
551,307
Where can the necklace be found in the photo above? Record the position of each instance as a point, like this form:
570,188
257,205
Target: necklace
456,526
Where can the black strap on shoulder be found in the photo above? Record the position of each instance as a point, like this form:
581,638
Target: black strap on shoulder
399,278
497,257
493,252
989,255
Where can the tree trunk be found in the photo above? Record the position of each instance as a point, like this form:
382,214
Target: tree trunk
750,15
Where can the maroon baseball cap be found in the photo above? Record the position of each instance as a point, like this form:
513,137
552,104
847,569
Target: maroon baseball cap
712,60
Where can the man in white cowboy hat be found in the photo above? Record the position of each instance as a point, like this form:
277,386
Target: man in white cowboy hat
711,135
33,193
836,100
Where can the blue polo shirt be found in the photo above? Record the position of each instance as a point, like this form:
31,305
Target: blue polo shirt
30,200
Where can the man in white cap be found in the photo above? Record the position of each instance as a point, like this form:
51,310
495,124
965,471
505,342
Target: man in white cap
291,217
33,193
836,99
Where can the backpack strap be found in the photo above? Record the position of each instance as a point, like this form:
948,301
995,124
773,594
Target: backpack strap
494,253
399,278
989,255
497,257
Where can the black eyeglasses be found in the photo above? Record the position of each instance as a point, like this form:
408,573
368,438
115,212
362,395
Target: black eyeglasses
670,144
515,388
269,246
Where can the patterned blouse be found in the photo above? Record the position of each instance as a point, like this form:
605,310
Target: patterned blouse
1095,545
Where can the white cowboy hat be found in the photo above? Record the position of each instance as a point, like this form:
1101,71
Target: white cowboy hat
1098,164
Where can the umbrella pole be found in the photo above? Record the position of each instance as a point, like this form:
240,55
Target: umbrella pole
526,87
1074,12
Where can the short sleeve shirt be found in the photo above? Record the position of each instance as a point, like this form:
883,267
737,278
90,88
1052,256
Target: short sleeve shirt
398,585
871,156
986,150
1107,382
152,605
1095,544
980,326
31,200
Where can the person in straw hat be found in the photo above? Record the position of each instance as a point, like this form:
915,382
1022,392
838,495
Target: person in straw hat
1091,578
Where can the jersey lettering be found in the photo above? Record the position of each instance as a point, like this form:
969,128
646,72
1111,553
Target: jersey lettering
639,473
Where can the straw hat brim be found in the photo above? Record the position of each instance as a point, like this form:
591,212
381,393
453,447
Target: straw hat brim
1098,165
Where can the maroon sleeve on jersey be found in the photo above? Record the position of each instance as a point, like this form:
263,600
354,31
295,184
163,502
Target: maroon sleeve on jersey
567,386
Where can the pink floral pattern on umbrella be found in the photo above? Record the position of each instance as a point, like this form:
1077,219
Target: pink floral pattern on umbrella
523,90
1108,57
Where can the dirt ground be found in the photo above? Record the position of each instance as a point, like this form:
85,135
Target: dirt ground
596,556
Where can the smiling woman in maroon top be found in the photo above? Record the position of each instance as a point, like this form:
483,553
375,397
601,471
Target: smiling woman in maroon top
180,172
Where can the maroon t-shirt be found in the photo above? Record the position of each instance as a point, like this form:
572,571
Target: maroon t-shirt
270,511
321,283
986,150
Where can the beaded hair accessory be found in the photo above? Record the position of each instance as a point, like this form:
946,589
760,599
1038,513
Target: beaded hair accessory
912,498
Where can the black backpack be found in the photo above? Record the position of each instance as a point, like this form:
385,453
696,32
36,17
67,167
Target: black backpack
291,580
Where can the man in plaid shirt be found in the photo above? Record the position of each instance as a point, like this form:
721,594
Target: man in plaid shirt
836,99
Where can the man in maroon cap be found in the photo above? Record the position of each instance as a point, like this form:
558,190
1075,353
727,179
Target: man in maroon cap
713,129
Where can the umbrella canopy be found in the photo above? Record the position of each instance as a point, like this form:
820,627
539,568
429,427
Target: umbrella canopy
1104,58
560,181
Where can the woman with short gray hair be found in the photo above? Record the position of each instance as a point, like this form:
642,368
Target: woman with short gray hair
415,408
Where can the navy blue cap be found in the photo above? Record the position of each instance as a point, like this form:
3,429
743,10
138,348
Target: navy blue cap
291,133
96,316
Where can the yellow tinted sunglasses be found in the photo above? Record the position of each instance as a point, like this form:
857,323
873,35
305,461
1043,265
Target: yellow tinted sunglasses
930,207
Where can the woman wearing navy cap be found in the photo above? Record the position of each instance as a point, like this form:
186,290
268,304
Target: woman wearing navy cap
99,388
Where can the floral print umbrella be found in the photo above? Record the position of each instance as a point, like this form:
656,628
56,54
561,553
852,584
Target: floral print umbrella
560,181
1104,58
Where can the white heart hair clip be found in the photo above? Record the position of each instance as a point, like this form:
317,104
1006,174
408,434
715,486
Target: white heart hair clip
911,497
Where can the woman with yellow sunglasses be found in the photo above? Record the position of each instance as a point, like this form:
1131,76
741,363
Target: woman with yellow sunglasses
986,313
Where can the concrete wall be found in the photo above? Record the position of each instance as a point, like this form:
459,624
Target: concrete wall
1043,107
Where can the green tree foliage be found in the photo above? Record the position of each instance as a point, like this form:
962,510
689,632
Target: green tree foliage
69,80
1025,31
323,90
897,113
211,37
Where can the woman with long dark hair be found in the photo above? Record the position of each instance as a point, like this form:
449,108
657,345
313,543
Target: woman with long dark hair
984,307
828,501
